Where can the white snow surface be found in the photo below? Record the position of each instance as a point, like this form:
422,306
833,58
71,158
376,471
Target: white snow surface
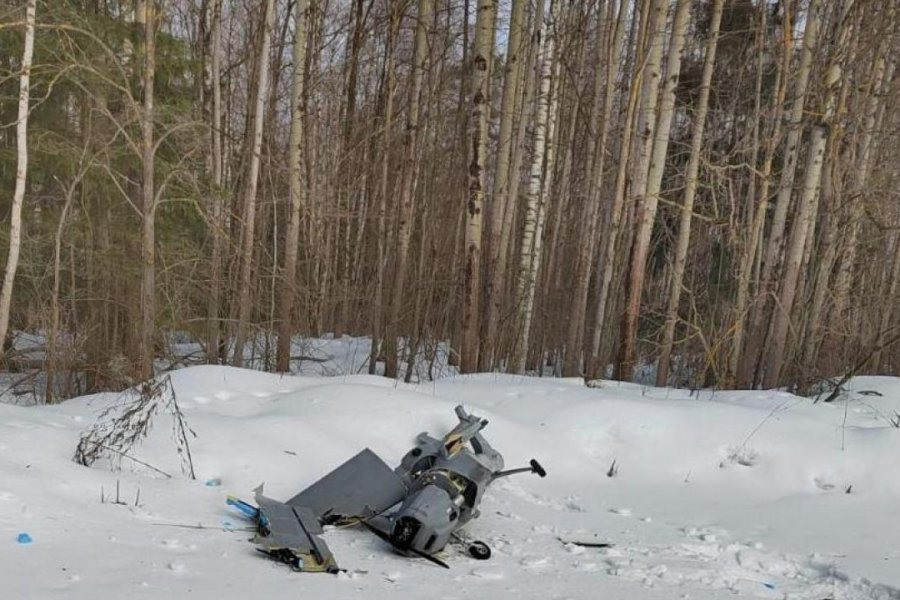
714,494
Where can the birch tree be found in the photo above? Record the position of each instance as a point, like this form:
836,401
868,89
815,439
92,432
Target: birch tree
539,184
296,168
504,181
690,193
601,117
884,72
739,368
809,200
824,285
15,219
408,181
785,189
248,226
471,301
606,268
386,119
647,186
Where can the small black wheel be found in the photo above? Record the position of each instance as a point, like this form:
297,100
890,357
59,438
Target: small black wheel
479,551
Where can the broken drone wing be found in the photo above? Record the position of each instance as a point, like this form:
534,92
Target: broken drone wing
291,534
363,486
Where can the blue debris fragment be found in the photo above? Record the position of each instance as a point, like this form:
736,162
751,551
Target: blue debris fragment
24,538
214,482
248,510
771,586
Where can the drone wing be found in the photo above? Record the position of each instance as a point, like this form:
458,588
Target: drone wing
291,534
363,486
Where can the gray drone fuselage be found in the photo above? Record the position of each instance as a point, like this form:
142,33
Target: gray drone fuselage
446,479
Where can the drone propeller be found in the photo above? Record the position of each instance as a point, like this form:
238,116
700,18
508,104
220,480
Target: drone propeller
535,467
414,551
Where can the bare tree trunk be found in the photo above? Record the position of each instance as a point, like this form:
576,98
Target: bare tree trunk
690,192
890,303
607,268
809,201
791,153
832,189
249,209
538,192
148,192
647,187
496,275
524,116
296,168
384,189
874,113
356,39
483,54
568,208
52,358
218,212
408,182
741,361
15,219
604,94
805,221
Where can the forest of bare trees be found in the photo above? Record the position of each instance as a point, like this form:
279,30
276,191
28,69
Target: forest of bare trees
704,190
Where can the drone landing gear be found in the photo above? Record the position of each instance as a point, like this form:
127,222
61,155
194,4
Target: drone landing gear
474,548
479,550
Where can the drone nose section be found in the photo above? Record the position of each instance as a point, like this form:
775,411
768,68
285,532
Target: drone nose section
405,531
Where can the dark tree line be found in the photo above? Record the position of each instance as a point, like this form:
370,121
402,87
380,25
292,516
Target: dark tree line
700,188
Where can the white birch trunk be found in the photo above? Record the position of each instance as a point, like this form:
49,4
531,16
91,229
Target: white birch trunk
741,361
296,166
758,325
649,187
596,150
249,214
496,275
15,219
690,192
481,59
805,221
874,117
534,215
607,268
809,201
526,114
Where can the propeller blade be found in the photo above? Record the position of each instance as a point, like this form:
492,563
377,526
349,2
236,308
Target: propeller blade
428,557
387,538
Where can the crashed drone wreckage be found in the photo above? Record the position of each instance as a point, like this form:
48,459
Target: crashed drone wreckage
434,492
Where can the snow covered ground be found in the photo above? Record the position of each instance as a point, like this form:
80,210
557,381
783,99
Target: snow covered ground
714,495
